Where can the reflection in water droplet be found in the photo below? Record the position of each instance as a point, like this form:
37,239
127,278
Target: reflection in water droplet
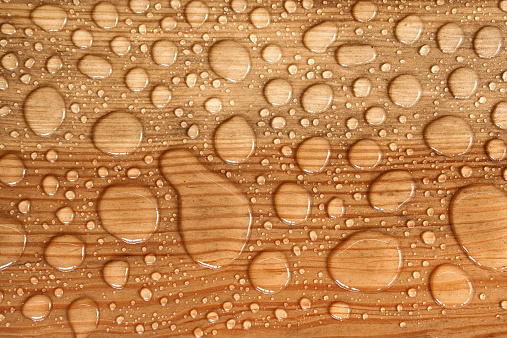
120,45
269,272
449,136
292,203
44,110
449,37
320,37
260,17
463,82
488,41
375,115
478,214
129,212
409,29
65,252
95,67
214,225
136,79
82,38
339,311
391,190
355,55
196,12
496,149
450,286
234,140
49,18
37,307
278,92
335,208
405,90
116,274
499,115
83,317
367,261
272,53
105,15
117,133
230,60
12,243
365,154
12,169
313,154
164,52
316,98
364,11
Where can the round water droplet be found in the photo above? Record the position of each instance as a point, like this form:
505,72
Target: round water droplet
269,272
83,317
340,311
349,55
449,136
160,96
37,307
95,67
365,154
367,261
451,286
488,42
499,115
65,215
428,237
9,61
313,154
12,169
405,90
139,6
50,185
449,37
234,140
13,241
463,82
164,52
129,212
271,53
136,79
214,225
375,115
196,12
292,203
44,110
320,37
82,38
409,29
391,190
278,92
105,15
117,133
230,60
49,18
260,17
496,149
54,64
478,214
364,11
335,207
316,98
361,87
120,45
65,252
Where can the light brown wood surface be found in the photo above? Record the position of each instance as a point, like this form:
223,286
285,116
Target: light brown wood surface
221,214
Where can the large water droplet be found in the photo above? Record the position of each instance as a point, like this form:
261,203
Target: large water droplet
488,41
129,212
339,311
215,215
292,203
48,17
269,272
116,274
44,110
37,307
463,82
450,286
234,140
365,154
313,155
449,37
95,67
83,317
229,60
278,92
317,98
355,55
364,11
499,115
12,169
409,29
320,37
391,190
105,15
405,90
196,12
65,252
117,133
367,261
448,135
164,52
12,241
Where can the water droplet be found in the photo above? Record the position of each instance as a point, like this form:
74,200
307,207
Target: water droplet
83,317
215,225
116,273
164,52
450,286
12,169
292,203
65,252
13,241
449,136
428,237
196,12
136,79
9,61
361,87
477,216
95,67
405,90
463,82
496,149
488,41
355,55
313,154
449,37
339,311
316,98
260,17
139,6
365,154
105,15
367,261
160,96
120,45
234,140
269,272
129,212
117,133
335,208
320,37
272,53
499,115
409,29
82,38
375,115
391,190
49,18
65,215
230,60
44,110
37,307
